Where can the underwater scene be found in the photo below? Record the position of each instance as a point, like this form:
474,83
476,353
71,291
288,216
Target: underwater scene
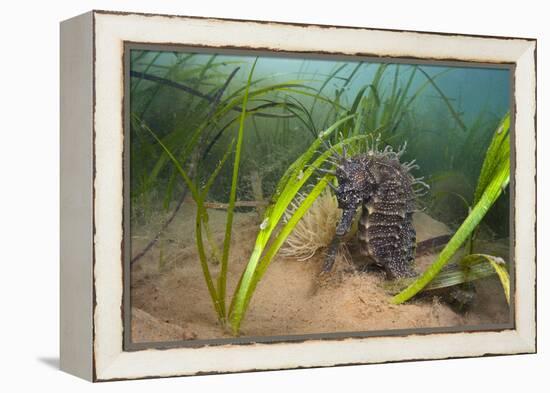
283,196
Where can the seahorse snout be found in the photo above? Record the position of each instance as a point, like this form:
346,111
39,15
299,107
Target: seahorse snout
344,225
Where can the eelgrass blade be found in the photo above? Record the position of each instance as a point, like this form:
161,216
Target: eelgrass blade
331,76
488,198
216,253
296,169
200,246
454,113
354,124
159,86
389,106
352,74
504,278
462,273
499,267
291,182
498,150
237,314
222,279
495,174
374,100
438,194
204,265
360,116
249,112
149,65
232,102
308,120
456,274
470,268
405,92
176,163
423,87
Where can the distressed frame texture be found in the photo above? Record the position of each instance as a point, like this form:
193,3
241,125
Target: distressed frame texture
92,194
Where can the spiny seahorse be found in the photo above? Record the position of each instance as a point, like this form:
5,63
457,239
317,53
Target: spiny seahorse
385,189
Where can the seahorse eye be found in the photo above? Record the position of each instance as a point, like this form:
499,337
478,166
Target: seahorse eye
345,199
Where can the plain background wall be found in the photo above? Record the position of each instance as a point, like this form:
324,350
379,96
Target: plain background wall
29,182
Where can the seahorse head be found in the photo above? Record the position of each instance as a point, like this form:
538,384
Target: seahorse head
353,189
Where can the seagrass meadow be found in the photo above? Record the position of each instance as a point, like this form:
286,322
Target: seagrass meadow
237,172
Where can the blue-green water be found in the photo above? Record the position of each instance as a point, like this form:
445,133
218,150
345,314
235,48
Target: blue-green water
446,114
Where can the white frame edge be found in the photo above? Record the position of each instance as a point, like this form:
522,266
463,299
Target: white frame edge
112,30
76,174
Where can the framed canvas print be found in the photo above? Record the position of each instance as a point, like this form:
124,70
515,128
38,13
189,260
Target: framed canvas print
246,195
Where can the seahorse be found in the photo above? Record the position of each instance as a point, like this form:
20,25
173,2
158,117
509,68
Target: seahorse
385,189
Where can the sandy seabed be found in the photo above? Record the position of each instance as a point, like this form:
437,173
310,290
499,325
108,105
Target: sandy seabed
170,301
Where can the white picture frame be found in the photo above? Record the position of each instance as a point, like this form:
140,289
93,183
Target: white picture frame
92,194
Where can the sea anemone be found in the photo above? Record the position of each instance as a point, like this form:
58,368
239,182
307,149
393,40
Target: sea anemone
315,230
